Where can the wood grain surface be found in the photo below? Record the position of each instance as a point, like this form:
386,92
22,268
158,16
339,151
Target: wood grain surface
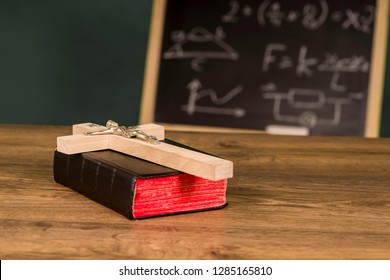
290,198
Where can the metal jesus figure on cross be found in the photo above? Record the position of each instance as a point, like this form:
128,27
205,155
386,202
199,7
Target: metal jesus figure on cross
125,131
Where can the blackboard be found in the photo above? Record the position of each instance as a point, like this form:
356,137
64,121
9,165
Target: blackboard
257,64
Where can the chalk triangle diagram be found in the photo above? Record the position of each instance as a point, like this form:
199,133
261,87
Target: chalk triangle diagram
201,44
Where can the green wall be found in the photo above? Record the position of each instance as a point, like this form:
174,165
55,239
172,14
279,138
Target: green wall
65,62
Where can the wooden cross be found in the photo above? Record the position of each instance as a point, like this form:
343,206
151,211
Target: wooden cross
89,137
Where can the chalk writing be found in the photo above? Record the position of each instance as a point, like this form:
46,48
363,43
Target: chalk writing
199,35
312,102
255,63
197,93
235,10
312,15
276,55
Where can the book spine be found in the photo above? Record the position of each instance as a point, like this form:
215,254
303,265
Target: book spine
98,181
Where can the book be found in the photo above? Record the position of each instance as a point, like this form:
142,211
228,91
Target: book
134,187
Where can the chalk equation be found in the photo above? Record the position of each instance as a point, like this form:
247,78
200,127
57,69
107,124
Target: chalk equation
198,93
277,56
312,16
187,45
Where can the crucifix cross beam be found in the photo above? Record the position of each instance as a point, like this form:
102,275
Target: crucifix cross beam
88,137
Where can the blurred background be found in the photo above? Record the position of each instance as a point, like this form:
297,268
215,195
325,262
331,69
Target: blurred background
65,62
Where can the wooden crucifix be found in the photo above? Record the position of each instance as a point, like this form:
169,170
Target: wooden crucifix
145,142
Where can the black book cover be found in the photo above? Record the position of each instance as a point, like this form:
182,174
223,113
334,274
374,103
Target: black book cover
134,187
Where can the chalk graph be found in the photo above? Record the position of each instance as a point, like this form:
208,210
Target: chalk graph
197,93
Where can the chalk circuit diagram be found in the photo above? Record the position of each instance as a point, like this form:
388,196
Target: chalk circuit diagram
313,107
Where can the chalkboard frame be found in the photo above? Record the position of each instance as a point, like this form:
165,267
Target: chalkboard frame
375,86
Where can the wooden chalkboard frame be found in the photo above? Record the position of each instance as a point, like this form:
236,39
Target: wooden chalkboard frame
375,87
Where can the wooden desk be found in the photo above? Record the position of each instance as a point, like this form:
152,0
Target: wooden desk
291,198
